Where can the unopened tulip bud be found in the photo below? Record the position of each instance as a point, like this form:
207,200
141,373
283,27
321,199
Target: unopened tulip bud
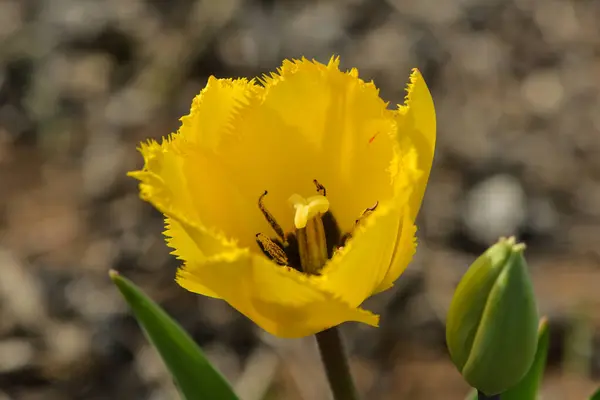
492,323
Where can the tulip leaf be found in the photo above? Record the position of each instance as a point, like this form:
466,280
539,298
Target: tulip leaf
527,388
596,395
193,374
472,395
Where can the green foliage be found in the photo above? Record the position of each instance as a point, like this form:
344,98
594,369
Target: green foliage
472,395
596,395
492,323
528,387
193,374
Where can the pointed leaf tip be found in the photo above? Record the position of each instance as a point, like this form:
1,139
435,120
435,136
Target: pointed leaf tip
193,374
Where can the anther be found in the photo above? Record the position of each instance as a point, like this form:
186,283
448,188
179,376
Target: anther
320,188
270,218
348,235
368,211
271,249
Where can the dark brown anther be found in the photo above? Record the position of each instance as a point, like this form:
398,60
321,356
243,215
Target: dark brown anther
320,188
270,218
367,212
271,249
348,235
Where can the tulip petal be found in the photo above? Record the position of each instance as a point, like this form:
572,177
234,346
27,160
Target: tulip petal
214,110
186,248
347,126
163,184
359,267
281,300
416,123
382,250
182,177
404,250
374,258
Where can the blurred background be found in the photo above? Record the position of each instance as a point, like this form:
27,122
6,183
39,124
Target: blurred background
517,90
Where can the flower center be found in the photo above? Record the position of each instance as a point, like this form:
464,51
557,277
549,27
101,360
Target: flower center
310,232
316,236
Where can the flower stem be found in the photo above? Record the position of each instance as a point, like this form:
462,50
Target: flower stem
336,364
481,396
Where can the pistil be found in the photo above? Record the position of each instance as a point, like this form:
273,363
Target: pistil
310,232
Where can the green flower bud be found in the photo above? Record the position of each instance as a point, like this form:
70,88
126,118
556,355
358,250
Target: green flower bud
492,323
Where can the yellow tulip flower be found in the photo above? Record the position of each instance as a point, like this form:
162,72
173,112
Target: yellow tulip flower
293,196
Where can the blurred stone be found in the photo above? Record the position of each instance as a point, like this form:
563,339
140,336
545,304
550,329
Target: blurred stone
149,365
100,254
15,354
384,51
94,300
39,394
127,11
431,12
241,48
14,121
131,106
77,17
543,217
260,370
103,158
587,198
582,238
218,314
495,207
557,20
67,349
544,91
47,219
224,360
21,292
11,19
207,14
480,54
444,192
320,22
88,76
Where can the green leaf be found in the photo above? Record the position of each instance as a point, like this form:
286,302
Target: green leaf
527,388
596,395
193,374
472,395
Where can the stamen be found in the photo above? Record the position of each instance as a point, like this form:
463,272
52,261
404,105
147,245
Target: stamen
320,188
316,237
271,249
270,218
348,235
368,211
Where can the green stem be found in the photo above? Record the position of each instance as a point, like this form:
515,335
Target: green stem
336,364
481,396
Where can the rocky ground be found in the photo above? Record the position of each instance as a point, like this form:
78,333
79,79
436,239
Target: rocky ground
517,90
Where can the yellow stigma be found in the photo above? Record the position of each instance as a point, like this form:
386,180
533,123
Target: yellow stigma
308,208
